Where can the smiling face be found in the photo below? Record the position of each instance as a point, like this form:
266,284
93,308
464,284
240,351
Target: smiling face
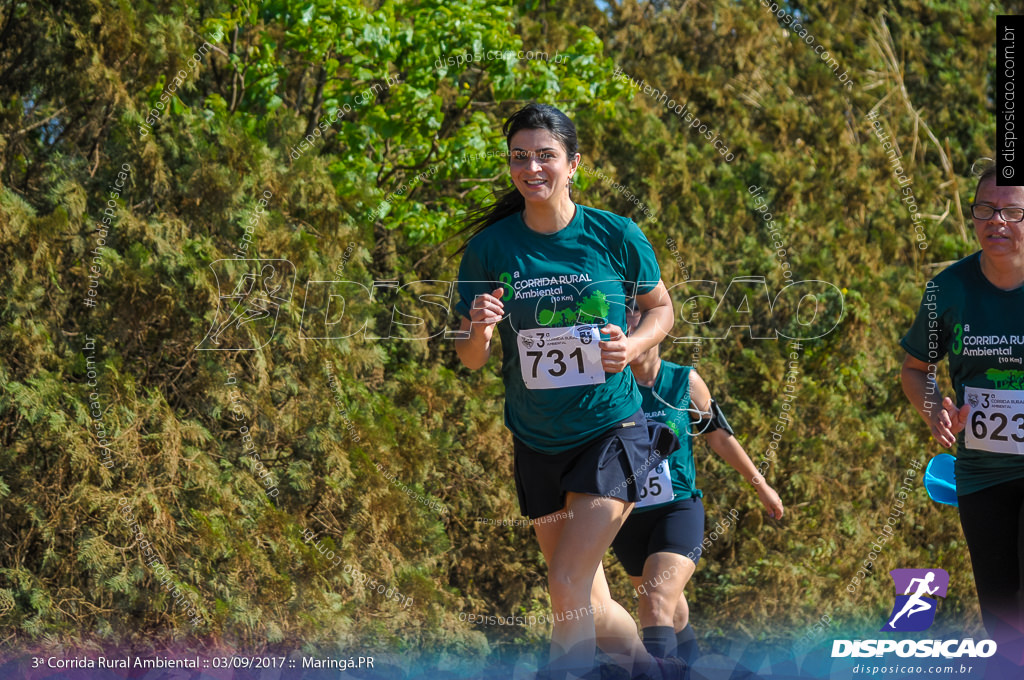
539,165
997,237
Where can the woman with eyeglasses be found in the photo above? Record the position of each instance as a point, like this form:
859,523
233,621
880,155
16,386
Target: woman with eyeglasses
552,277
973,312
661,542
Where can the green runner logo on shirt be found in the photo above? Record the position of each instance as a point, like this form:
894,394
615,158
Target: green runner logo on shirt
958,338
1006,379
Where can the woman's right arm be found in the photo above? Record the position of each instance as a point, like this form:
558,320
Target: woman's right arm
942,415
474,348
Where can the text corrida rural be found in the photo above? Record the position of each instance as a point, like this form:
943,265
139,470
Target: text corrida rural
126,662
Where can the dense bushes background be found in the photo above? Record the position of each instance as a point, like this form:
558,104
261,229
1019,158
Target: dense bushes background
78,82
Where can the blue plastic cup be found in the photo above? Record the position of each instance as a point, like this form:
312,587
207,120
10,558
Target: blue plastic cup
940,480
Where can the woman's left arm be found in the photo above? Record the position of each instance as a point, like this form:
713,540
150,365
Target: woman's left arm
731,451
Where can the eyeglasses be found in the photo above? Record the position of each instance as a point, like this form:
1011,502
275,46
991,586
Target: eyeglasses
980,211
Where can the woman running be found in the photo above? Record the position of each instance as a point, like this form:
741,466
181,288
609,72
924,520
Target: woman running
552,276
973,312
661,542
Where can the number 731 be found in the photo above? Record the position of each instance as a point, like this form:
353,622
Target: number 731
558,357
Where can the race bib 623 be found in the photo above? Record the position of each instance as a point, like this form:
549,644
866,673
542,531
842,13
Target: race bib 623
996,421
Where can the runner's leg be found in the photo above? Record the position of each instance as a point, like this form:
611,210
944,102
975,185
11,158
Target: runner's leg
573,549
616,630
991,520
665,576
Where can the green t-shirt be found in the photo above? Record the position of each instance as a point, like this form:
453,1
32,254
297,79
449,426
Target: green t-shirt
672,384
981,328
581,274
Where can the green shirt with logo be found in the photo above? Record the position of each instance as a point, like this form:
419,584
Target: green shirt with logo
981,328
581,274
666,402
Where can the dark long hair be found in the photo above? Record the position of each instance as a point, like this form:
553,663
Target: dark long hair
533,116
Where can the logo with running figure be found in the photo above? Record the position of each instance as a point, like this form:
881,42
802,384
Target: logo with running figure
251,292
914,609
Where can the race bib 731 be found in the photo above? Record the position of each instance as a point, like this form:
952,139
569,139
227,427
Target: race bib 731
560,357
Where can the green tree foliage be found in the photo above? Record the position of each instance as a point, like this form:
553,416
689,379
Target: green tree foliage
402,135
